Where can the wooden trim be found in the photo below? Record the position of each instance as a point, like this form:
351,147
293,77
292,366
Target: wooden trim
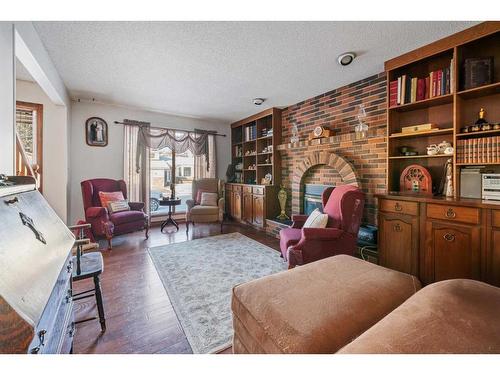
449,42
39,134
257,116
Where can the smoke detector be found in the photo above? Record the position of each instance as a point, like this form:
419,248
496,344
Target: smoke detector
346,58
258,101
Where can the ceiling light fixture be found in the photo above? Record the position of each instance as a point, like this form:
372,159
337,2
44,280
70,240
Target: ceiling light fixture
346,58
258,101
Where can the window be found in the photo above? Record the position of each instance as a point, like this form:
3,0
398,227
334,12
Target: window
163,164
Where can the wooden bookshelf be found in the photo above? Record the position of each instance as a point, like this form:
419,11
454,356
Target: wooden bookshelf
450,112
267,125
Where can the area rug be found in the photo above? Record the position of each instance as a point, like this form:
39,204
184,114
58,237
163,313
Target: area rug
199,276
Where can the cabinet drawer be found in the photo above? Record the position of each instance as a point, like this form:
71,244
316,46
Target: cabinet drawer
229,187
258,190
495,218
444,212
237,188
247,189
400,207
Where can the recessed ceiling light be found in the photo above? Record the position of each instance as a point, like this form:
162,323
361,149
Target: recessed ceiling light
346,58
258,101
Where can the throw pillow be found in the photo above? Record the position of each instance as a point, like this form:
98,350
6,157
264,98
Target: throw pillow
198,195
112,196
209,199
316,220
118,206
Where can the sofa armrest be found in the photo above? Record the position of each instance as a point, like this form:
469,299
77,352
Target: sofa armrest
96,212
190,204
136,206
321,234
298,221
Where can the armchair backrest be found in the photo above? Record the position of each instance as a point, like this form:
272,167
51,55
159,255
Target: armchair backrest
211,185
344,207
91,189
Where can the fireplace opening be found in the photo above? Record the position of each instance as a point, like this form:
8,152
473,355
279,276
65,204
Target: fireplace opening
312,197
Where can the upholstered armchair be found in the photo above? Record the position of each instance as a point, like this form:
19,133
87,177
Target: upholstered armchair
344,207
107,225
197,213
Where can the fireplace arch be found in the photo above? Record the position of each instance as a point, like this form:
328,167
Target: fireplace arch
345,169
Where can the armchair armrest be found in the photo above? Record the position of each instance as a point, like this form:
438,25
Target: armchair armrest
79,226
190,204
221,204
136,206
298,221
96,212
321,234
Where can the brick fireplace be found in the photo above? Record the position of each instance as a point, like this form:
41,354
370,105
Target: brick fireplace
361,161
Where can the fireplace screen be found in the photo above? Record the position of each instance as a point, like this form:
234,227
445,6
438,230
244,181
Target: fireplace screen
312,197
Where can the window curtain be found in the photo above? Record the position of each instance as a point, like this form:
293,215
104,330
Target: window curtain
203,169
136,176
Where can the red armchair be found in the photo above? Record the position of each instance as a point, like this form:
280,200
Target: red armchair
344,206
104,224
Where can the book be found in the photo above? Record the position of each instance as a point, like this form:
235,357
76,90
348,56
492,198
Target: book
452,76
403,89
399,90
413,96
427,87
420,89
408,90
393,93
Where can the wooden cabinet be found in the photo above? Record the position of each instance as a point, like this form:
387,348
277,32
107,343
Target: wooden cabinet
453,250
258,210
251,204
439,239
399,234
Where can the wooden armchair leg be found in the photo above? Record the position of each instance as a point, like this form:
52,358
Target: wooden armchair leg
110,246
187,227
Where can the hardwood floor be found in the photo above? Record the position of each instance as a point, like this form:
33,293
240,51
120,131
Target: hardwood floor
139,315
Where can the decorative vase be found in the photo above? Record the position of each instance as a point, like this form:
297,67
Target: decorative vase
449,178
282,196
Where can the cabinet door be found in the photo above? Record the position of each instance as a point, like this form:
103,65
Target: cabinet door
258,210
247,207
228,203
453,250
493,249
398,242
237,205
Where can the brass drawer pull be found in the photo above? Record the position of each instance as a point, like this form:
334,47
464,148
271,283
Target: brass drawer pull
450,214
449,237
398,207
397,228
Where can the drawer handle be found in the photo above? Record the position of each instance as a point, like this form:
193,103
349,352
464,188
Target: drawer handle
450,214
41,336
449,237
398,207
397,228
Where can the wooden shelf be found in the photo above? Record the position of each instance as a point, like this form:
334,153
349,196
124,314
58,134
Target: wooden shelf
251,141
250,156
476,134
477,92
421,156
266,137
264,153
426,103
423,133
237,143
264,165
467,164
246,170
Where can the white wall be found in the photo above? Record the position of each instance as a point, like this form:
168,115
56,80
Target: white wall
55,152
93,162
6,98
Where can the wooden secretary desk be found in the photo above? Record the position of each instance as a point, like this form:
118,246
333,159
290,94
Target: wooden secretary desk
438,238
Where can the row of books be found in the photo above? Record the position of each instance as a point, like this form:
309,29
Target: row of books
250,132
408,89
479,150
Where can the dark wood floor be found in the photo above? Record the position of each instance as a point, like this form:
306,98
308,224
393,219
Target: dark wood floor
139,315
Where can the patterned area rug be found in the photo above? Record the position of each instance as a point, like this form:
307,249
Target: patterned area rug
199,276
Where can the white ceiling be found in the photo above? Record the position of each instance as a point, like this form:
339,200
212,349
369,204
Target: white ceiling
213,69
22,73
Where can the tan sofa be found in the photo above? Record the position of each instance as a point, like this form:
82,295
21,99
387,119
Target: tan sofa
205,214
343,303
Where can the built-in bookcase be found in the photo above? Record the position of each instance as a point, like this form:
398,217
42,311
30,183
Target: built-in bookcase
254,141
450,112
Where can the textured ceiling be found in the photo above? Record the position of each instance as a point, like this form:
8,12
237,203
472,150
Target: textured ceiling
213,69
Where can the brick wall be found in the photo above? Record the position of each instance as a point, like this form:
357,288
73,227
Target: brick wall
337,110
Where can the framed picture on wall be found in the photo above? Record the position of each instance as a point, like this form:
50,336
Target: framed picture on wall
96,132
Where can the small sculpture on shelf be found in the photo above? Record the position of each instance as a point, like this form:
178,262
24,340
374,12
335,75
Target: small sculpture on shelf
449,192
361,130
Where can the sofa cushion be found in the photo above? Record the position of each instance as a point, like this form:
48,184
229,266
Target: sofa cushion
124,217
209,199
110,196
315,308
289,237
452,316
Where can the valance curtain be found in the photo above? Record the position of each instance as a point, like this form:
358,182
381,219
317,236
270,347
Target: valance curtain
178,141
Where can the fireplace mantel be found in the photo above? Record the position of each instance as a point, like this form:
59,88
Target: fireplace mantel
330,140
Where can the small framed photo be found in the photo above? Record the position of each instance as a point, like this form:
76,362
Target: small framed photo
96,132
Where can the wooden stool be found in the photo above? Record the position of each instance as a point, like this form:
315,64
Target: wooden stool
90,265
